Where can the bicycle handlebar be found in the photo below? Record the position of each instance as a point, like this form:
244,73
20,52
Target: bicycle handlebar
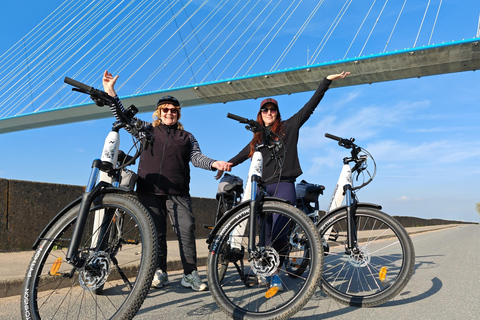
126,120
100,97
238,118
252,125
346,143
360,160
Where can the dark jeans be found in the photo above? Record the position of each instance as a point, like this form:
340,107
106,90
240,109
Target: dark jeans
179,210
277,231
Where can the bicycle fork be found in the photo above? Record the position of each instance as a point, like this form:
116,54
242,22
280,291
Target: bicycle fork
351,204
107,161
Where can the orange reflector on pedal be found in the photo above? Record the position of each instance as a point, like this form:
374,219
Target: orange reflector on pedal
271,292
55,267
382,274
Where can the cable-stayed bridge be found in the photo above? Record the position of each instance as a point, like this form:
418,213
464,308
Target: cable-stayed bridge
206,52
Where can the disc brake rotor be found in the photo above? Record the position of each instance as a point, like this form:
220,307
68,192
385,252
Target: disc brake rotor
266,262
96,271
360,259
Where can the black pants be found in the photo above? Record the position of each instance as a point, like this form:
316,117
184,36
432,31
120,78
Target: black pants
179,210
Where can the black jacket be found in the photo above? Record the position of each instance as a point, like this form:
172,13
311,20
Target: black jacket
291,165
165,167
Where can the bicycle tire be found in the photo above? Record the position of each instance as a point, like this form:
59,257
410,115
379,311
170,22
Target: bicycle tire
382,268
54,288
246,299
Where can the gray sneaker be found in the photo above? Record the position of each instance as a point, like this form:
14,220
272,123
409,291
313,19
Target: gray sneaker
160,279
193,281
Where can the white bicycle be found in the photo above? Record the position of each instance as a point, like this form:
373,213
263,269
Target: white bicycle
240,237
96,258
369,257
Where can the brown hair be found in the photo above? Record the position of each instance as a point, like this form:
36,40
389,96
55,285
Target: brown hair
276,127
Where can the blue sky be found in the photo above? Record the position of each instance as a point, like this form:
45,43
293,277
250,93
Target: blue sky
423,133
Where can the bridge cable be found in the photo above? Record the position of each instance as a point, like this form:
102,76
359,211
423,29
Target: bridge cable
435,22
253,33
421,24
227,37
373,27
297,35
218,34
193,34
394,26
330,31
267,35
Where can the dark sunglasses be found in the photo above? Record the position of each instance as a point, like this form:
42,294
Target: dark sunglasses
272,110
172,110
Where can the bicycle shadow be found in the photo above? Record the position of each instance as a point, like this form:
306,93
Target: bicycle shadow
176,289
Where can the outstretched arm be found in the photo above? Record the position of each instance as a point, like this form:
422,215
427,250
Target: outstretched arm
338,75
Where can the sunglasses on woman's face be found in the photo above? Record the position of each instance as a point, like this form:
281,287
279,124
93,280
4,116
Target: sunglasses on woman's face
265,110
172,110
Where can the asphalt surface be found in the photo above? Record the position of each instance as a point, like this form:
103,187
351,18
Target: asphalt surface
14,265
443,287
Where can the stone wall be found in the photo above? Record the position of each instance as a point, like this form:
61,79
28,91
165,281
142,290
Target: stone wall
27,207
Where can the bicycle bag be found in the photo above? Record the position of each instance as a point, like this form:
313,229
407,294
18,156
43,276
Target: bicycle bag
230,183
128,179
308,191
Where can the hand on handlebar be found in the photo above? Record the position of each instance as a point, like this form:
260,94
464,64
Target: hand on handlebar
109,81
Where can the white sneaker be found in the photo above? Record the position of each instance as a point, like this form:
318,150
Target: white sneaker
160,279
193,281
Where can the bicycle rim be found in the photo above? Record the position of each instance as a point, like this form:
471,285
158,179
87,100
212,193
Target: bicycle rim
252,297
117,274
381,268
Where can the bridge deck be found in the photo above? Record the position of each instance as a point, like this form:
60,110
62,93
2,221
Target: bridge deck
445,58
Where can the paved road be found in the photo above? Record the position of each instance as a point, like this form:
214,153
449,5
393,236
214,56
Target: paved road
445,285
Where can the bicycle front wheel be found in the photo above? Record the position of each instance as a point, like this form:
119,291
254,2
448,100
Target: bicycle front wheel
381,267
118,265
243,290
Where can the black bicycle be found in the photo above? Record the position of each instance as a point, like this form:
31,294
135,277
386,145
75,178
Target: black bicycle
243,257
96,258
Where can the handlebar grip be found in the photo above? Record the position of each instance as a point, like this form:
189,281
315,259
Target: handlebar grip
238,118
331,136
78,84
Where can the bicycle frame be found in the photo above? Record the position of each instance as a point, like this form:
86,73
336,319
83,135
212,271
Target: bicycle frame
108,160
251,196
343,191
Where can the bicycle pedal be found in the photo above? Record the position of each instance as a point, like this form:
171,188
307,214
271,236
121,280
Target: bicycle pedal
55,267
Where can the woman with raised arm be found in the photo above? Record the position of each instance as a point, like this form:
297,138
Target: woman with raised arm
279,177
163,186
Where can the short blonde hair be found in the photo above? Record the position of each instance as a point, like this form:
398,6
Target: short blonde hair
157,115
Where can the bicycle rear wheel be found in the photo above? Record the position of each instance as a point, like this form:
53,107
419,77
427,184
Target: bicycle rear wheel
245,294
379,271
117,273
